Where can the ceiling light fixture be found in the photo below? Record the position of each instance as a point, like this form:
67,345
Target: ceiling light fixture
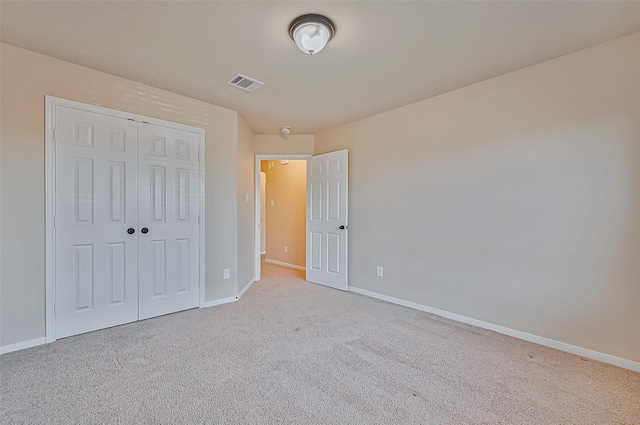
311,32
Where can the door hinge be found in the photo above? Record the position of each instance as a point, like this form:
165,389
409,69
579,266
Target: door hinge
54,221
198,219
54,308
55,130
198,155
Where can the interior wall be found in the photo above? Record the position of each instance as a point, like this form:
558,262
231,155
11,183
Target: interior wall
515,201
286,218
246,204
278,144
26,77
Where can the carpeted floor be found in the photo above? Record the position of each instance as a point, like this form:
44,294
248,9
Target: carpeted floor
294,352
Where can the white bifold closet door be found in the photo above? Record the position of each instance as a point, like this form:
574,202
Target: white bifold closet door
126,221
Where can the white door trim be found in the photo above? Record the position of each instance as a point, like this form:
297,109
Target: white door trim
257,203
51,103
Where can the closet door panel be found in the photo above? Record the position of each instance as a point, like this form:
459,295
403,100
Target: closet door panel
168,206
96,259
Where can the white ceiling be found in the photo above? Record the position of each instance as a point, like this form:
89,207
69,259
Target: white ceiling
384,55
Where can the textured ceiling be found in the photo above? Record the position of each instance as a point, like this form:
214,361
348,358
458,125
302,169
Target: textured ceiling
384,55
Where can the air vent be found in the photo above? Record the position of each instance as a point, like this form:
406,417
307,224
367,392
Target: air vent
245,83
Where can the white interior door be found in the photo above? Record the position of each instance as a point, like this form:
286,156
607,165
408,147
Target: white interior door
327,219
96,257
169,207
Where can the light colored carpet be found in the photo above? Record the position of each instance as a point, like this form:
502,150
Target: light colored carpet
294,352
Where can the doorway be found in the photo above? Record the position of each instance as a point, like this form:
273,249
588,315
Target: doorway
280,212
326,217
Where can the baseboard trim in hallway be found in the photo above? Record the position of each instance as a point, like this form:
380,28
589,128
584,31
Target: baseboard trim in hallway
280,263
584,352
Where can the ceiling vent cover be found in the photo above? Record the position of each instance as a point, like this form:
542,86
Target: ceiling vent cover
245,83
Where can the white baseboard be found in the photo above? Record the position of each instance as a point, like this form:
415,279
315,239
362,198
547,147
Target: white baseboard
41,341
246,288
280,263
584,352
22,345
263,252
219,302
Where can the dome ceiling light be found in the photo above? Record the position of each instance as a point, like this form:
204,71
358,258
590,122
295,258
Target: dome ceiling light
312,32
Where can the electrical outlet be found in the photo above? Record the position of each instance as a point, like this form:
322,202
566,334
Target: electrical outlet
286,249
273,204
379,271
246,198
226,274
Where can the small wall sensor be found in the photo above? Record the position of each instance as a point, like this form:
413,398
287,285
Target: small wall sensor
286,130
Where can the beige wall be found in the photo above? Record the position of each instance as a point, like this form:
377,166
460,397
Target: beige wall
26,77
276,144
246,204
286,220
515,201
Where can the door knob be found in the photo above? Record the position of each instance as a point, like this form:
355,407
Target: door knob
131,230
343,227
144,230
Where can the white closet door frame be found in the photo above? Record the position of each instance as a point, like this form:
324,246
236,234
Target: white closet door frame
50,195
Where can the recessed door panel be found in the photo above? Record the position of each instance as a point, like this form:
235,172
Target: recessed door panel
333,253
315,169
117,140
117,272
83,196
334,197
158,193
315,254
182,149
158,146
159,256
315,201
116,182
182,195
83,276
184,265
82,133
334,166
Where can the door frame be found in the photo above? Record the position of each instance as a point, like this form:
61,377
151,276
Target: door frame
258,160
51,103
